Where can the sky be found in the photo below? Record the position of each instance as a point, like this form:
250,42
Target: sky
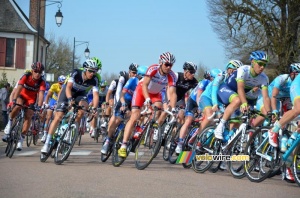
122,32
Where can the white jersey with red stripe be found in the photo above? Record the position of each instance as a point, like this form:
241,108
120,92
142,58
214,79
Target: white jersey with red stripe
158,81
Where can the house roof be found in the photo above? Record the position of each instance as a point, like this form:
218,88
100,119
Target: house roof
13,19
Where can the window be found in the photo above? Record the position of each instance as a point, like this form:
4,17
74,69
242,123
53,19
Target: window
12,52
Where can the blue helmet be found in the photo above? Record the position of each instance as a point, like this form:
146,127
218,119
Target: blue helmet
141,71
61,78
259,55
215,72
295,68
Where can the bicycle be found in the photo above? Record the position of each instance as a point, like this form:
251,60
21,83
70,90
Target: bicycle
15,131
69,136
82,129
33,132
148,145
132,143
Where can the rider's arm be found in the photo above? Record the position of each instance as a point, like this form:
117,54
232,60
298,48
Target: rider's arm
173,96
40,98
119,87
68,90
17,92
146,82
266,99
241,91
275,92
49,95
199,92
95,98
109,92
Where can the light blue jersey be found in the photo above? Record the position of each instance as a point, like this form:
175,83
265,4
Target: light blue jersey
201,86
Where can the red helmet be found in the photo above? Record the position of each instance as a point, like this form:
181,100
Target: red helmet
38,67
167,57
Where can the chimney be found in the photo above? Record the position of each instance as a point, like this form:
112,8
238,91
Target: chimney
34,12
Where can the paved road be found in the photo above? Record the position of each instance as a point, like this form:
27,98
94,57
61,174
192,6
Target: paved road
84,175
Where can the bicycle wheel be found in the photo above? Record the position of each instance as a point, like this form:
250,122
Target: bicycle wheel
65,145
116,159
258,168
14,136
167,144
236,168
28,137
186,147
172,154
35,131
203,145
44,157
296,165
110,149
147,147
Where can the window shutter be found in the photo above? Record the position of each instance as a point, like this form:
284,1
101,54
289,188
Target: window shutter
21,53
2,51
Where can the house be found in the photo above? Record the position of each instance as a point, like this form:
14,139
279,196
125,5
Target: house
19,38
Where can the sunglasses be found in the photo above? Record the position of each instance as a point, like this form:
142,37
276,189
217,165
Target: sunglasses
261,63
133,72
192,72
37,72
168,64
91,71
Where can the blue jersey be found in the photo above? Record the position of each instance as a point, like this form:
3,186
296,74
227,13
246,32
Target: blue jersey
282,83
294,90
201,86
130,87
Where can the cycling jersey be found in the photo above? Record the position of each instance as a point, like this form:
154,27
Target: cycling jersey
113,86
183,85
201,86
294,90
129,88
102,96
31,87
229,89
55,89
81,87
122,81
158,81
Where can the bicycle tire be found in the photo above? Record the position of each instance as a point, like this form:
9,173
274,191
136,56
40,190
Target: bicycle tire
15,135
28,138
145,145
103,157
167,144
67,144
44,157
116,160
8,146
35,134
172,154
296,165
236,169
256,167
186,147
203,145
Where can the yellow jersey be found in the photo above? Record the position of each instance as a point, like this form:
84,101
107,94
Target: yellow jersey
55,89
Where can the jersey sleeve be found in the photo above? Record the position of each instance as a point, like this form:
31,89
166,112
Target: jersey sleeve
119,87
112,85
215,87
22,80
172,79
43,85
241,72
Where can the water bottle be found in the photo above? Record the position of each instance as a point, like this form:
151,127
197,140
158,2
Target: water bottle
292,139
283,143
138,131
231,133
209,136
225,135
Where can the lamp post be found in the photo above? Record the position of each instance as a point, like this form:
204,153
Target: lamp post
86,51
58,19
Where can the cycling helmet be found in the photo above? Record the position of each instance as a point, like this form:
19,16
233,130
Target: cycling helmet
123,73
103,83
98,62
38,67
259,55
206,75
215,72
295,68
142,70
167,57
90,64
234,64
133,67
61,78
190,66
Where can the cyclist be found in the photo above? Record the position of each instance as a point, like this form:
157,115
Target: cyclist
192,103
208,102
78,83
148,91
279,88
50,105
123,104
31,87
102,95
289,115
185,82
235,91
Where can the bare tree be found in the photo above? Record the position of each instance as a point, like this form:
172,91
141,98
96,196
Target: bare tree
269,25
109,77
200,71
59,57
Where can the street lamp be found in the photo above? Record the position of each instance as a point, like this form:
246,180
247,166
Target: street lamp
86,51
58,19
